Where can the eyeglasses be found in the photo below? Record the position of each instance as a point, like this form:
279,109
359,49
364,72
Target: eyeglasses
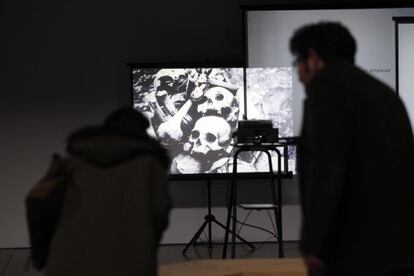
297,60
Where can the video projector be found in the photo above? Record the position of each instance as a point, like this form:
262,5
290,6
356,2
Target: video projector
256,132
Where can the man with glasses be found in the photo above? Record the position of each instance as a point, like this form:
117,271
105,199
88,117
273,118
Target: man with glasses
356,162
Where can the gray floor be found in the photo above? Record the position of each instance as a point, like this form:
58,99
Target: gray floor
15,262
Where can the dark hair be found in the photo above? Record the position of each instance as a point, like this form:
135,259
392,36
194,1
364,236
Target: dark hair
128,119
330,40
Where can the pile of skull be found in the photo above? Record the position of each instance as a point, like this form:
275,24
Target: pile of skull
194,112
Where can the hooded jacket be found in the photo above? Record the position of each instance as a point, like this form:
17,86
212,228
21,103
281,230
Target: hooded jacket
116,205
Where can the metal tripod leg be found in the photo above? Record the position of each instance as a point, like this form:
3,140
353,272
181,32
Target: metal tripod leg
196,235
208,219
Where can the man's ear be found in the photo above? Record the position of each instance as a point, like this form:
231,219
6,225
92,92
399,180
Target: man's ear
315,62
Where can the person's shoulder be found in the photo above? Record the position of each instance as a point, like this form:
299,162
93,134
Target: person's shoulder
370,84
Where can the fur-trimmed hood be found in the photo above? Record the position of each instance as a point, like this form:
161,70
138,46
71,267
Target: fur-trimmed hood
106,147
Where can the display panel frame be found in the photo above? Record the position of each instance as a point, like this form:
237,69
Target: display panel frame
248,173
401,79
399,20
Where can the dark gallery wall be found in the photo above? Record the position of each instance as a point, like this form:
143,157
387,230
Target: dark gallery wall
63,65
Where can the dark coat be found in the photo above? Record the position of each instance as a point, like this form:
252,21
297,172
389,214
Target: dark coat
116,207
356,164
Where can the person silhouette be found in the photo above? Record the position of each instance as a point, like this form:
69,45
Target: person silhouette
117,205
356,160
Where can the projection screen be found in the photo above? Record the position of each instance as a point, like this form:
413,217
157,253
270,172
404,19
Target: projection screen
194,113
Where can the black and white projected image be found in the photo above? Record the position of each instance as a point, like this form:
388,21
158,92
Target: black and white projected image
270,97
193,113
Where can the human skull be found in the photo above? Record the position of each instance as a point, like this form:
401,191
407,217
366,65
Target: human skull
210,133
219,101
169,78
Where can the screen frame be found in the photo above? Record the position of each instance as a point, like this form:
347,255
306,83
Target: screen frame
206,176
399,20
166,65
